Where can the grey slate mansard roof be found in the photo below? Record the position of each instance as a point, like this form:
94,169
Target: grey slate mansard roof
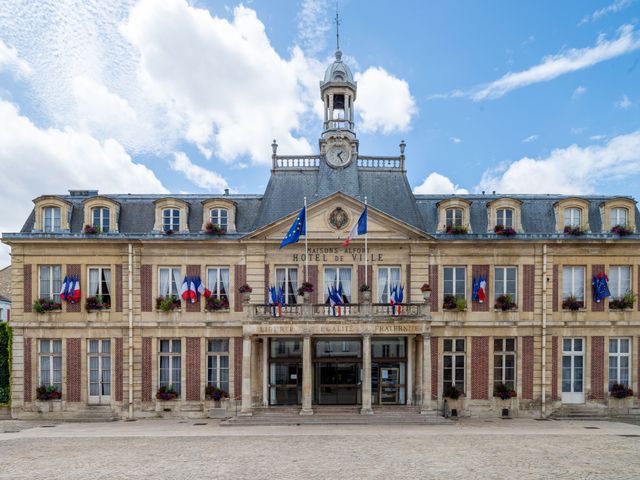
386,189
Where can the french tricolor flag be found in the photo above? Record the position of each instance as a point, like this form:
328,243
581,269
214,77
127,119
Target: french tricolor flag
360,228
184,290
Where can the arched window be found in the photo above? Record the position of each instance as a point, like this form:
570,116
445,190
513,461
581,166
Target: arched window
454,217
171,219
220,217
51,219
100,218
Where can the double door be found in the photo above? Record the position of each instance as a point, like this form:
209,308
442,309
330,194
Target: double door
99,369
285,383
572,370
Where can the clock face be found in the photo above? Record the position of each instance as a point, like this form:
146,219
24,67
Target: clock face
338,154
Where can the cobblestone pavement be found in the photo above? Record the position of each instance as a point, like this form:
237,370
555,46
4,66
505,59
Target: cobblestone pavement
472,448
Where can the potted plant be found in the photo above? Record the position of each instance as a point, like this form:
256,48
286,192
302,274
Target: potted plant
168,303
620,391
96,303
572,303
453,394
305,290
166,393
365,290
45,393
245,290
575,231
214,229
42,305
456,230
623,303
622,230
426,292
505,302
452,302
168,232
91,230
213,304
504,231
504,392
211,392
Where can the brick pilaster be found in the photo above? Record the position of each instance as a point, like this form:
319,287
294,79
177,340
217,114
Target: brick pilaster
407,286
74,369
26,287
597,368
313,278
476,271
147,366
193,271
528,285
595,306
527,367
240,279
554,289
118,370
554,368
369,276
193,369
433,283
267,283
118,292
146,293
479,368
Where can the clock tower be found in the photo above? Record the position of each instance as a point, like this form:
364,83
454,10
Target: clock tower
338,143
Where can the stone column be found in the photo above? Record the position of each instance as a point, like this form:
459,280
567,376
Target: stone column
265,371
410,343
426,374
307,376
246,376
366,375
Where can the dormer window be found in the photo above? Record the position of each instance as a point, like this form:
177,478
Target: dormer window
220,217
504,217
619,216
572,217
100,219
51,219
170,219
454,217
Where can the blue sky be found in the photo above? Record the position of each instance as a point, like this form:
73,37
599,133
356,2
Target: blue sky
175,96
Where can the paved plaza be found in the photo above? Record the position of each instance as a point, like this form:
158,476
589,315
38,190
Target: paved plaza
176,449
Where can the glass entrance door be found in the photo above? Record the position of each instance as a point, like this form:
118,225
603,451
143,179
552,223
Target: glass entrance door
389,386
572,370
338,371
285,384
99,362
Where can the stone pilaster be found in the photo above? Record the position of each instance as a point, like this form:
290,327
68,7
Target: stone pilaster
366,375
306,376
426,406
246,376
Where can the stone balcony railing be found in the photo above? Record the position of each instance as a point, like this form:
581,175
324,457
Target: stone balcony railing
321,312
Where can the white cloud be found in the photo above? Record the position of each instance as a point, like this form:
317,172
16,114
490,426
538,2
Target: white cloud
37,161
624,103
615,7
597,138
9,60
553,66
455,140
313,25
573,170
578,92
385,104
531,138
438,184
196,174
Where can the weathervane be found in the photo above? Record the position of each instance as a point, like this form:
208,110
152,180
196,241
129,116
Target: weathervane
337,22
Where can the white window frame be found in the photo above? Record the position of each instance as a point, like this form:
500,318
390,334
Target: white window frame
51,354
216,293
500,286
501,217
49,214
457,270
384,296
503,353
454,353
347,292
214,375
454,217
615,281
171,354
171,221
615,214
569,217
569,272
55,285
618,355
104,217
290,294
178,285
215,216
99,291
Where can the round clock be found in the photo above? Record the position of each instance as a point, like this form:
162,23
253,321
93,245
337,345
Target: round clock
338,154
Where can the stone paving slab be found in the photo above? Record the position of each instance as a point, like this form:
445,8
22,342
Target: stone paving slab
472,448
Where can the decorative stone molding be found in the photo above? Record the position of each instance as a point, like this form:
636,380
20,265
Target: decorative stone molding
573,202
52,201
454,202
173,203
501,203
102,202
619,202
229,205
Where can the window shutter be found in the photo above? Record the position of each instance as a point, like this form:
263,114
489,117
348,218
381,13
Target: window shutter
240,274
479,368
146,281
528,286
193,369
147,366
476,272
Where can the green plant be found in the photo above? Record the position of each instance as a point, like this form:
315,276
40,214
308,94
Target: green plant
620,391
213,304
214,229
97,303
505,302
166,393
626,301
42,305
46,393
456,230
453,302
505,392
212,392
5,363
461,304
168,303
453,392
365,288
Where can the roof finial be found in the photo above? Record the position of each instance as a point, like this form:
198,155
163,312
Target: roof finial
337,22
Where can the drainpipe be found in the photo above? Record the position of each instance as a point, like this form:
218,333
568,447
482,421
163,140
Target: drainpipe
130,332
543,405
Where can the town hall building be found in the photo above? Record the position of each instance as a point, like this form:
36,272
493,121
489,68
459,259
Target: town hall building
503,308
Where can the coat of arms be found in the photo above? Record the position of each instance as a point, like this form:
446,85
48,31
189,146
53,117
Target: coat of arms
338,219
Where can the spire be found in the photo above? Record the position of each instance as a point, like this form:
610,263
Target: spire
337,22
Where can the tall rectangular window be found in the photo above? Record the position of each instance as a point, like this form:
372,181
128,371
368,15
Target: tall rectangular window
619,360
454,217
50,282
101,218
169,281
218,364
388,277
50,363
455,281
506,282
220,217
619,281
170,364
453,360
504,217
171,219
504,362
51,219
338,277
218,283
572,217
100,284
287,280
573,283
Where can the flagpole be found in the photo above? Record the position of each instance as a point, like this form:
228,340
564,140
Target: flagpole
306,245
366,249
